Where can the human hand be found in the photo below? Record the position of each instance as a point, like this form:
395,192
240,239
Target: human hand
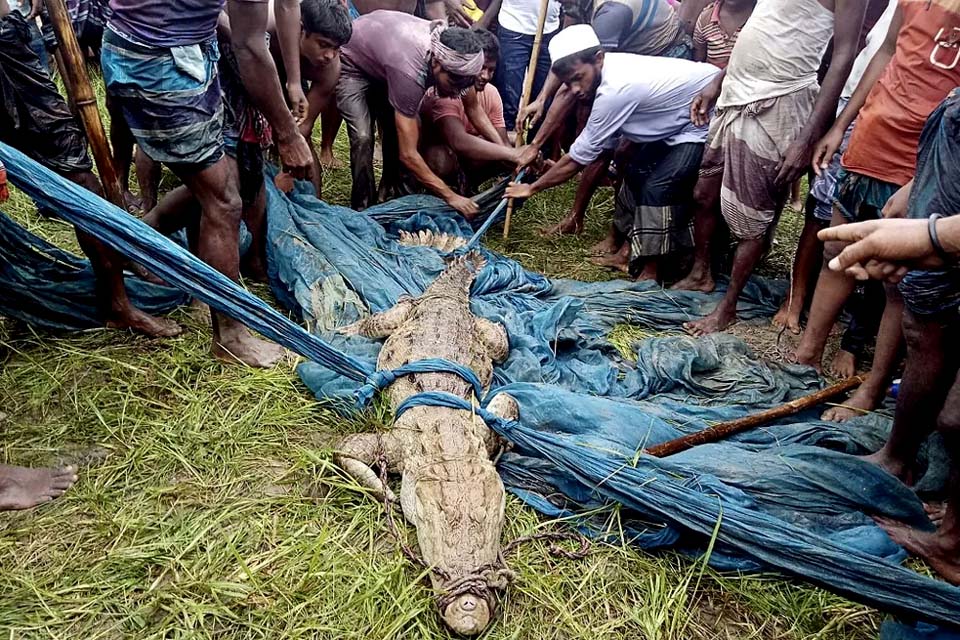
794,162
703,104
896,206
298,102
457,14
526,155
467,207
36,6
295,155
533,111
518,190
882,249
824,150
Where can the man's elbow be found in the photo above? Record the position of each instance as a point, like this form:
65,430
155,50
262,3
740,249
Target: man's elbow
409,156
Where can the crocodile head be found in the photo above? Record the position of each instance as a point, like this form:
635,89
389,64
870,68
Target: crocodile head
467,615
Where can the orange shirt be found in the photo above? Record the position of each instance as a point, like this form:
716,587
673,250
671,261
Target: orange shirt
434,108
924,69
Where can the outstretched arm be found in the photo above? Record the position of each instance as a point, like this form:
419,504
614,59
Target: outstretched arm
474,147
408,133
848,20
559,173
288,33
478,117
248,21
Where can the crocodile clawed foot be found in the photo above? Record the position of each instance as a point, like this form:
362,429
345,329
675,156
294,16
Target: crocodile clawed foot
467,615
356,455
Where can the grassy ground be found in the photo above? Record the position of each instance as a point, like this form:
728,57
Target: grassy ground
208,508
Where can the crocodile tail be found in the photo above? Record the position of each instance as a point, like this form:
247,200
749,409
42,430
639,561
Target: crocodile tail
426,238
460,273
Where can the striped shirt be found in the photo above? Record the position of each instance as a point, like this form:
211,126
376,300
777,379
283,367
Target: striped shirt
709,31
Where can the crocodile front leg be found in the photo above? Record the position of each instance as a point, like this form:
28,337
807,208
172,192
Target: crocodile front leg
380,325
503,406
357,453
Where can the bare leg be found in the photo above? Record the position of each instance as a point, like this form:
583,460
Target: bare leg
706,218
870,394
148,179
926,380
745,260
832,291
805,269
330,120
619,261
590,179
255,217
609,245
111,290
216,189
796,202
122,142
940,549
22,488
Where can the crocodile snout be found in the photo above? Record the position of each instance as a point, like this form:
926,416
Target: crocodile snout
468,615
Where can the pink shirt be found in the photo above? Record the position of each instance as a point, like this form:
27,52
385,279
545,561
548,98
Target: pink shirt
434,108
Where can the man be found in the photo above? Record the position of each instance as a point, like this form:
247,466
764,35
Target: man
35,119
20,487
819,206
451,145
643,27
649,110
390,61
929,394
717,29
160,68
905,81
517,27
769,115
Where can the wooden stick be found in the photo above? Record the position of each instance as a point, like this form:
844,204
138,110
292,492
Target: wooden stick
74,69
726,429
525,98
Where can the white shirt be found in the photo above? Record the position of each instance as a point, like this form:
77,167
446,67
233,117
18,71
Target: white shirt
643,99
522,16
872,44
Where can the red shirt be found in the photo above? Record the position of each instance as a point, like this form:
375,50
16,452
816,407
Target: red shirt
924,69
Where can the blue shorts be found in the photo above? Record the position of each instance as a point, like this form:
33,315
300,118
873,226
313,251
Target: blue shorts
170,98
860,197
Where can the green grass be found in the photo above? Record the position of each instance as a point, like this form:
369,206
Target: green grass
208,507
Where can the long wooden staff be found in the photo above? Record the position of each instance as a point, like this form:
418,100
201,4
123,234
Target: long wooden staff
74,69
525,98
726,429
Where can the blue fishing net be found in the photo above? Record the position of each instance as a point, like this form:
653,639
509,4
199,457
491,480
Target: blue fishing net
790,496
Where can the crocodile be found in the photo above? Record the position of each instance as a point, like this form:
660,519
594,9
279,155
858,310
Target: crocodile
450,490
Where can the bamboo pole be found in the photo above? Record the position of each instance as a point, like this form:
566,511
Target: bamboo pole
726,429
74,69
525,97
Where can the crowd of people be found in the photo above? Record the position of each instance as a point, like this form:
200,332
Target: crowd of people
704,115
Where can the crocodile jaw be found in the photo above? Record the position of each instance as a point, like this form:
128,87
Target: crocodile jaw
468,615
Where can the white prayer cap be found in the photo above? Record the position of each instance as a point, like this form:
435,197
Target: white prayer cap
571,40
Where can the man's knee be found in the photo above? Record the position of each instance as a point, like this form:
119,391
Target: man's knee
948,422
912,330
707,190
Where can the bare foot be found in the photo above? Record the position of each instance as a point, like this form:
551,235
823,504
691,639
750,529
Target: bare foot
132,202
142,322
891,465
720,319
650,271
22,488
199,311
796,205
803,356
241,346
696,281
605,247
939,550
569,226
864,400
844,365
788,317
328,160
614,261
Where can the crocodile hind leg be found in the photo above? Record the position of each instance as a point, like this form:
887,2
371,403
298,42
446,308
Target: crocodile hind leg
503,406
358,453
494,339
380,325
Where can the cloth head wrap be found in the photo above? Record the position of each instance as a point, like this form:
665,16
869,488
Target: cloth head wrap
452,61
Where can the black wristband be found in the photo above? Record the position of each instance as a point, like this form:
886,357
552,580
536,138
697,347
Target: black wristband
935,239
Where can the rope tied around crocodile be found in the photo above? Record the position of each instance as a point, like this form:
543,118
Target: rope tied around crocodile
380,380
